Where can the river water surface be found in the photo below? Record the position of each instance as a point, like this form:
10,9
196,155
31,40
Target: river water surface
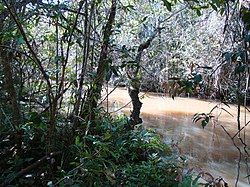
209,149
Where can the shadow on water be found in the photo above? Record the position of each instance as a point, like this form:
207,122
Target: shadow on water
208,149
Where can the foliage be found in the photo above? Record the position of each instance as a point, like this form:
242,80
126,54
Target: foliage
119,157
56,56
116,157
205,118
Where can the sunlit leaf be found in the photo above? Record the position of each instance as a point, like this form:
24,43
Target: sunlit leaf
49,184
107,136
77,140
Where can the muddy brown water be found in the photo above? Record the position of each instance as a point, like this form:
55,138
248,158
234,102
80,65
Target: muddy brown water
210,150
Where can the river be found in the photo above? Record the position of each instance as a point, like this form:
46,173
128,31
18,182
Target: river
210,149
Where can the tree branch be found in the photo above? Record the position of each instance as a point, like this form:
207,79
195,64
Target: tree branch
28,169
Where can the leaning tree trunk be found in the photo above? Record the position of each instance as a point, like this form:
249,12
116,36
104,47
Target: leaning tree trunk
134,88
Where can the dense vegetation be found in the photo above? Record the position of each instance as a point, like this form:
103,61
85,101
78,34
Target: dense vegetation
56,57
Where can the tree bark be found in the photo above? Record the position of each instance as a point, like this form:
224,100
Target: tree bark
5,60
95,92
134,88
87,25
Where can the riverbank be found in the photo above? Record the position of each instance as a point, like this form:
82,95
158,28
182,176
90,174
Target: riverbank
208,149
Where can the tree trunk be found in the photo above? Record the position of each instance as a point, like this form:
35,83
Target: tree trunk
137,104
87,26
95,91
134,88
5,60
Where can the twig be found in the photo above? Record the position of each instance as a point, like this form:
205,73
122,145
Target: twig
121,107
126,105
12,126
178,11
239,161
240,130
108,94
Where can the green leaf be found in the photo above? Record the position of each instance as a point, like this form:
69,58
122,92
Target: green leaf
107,136
91,138
222,10
207,119
189,84
240,69
20,40
37,21
50,184
144,19
181,83
246,17
195,180
115,71
203,123
167,4
197,78
248,27
198,12
234,57
217,2
247,39
77,140
189,90
108,75
1,7
227,56
35,117
131,7
213,6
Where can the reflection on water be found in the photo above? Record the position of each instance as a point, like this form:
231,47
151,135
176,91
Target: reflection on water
208,149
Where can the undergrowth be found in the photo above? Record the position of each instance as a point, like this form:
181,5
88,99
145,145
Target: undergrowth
114,157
